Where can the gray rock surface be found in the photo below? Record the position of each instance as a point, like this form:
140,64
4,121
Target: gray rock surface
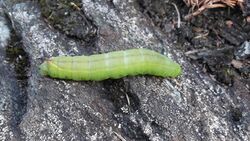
243,51
190,107
6,89
12,94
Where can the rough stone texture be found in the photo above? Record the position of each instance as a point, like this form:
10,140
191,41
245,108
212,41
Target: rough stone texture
243,51
10,91
6,89
191,107
5,33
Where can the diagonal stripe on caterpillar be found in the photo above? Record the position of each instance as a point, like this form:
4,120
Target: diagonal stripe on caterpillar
112,65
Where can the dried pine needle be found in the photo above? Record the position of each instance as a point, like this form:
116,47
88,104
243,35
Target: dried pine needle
198,6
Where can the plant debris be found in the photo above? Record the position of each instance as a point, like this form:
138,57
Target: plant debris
198,6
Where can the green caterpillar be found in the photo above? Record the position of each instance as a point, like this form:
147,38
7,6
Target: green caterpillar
113,65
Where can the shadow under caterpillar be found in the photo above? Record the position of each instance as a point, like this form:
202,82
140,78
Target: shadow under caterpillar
112,65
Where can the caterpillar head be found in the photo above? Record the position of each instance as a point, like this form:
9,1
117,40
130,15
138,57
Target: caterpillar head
43,68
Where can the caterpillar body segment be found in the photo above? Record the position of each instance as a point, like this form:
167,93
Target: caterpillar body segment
113,65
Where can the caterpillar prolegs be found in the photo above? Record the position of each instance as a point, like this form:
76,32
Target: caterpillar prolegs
113,65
